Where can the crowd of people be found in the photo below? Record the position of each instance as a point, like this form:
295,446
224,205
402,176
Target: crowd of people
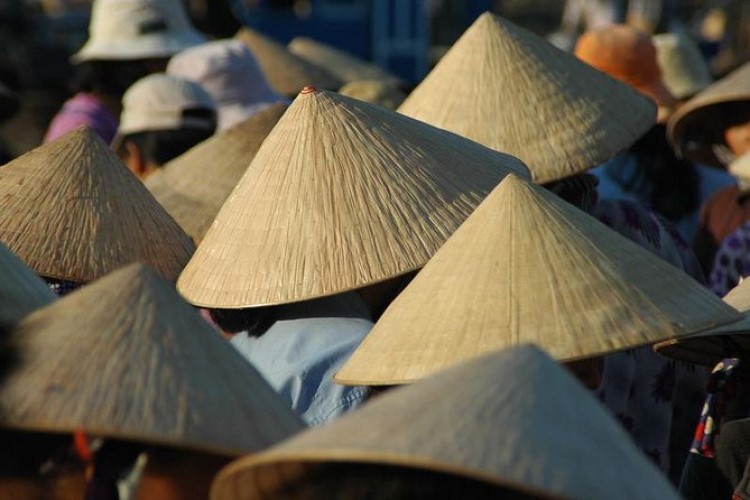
237,269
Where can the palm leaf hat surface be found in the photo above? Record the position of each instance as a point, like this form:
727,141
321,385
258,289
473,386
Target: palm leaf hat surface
512,91
71,210
127,358
538,432
342,194
21,290
528,267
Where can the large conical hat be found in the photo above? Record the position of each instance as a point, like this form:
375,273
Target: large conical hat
529,267
286,72
510,90
344,66
514,418
71,210
342,194
21,291
127,358
695,125
195,185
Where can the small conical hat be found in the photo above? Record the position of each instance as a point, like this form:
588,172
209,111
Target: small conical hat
342,194
693,123
530,267
286,72
195,185
340,64
127,358
510,90
72,211
514,418
21,291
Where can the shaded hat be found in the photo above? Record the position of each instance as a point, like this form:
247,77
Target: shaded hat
73,211
515,419
194,186
286,72
342,194
228,71
510,90
164,102
342,65
127,358
697,127
628,55
137,29
379,92
21,291
683,69
490,287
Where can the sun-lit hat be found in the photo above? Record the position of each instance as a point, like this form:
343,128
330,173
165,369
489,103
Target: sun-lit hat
628,55
490,287
21,291
286,72
514,92
194,186
341,194
162,102
73,211
379,92
228,71
515,419
683,68
342,65
127,358
695,129
137,29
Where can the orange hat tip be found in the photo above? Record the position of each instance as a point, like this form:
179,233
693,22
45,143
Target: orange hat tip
308,89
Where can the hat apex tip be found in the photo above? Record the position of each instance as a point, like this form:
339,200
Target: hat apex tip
309,89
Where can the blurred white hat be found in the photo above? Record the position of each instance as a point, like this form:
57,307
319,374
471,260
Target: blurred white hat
684,71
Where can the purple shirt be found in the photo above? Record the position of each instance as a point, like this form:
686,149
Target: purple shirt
83,109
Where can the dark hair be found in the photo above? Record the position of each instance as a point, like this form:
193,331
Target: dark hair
254,321
114,77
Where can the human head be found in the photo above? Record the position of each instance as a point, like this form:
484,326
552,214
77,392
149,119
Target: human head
163,116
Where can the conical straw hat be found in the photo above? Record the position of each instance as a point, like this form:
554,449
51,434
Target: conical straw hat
514,418
341,194
683,67
529,267
195,185
21,291
345,67
692,126
72,211
510,90
126,358
286,72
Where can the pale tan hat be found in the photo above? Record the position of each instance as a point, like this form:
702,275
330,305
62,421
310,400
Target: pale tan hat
683,68
137,29
21,291
694,126
342,194
510,90
342,65
127,358
286,72
530,267
73,211
194,186
379,92
515,419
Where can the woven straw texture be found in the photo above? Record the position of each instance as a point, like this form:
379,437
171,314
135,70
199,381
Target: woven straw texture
696,113
71,210
286,72
508,89
21,291
194,186
529,267
341,194
345,67
127,358
538,431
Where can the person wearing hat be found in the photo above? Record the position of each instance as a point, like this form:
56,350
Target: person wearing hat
228,71
163,116
127,41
